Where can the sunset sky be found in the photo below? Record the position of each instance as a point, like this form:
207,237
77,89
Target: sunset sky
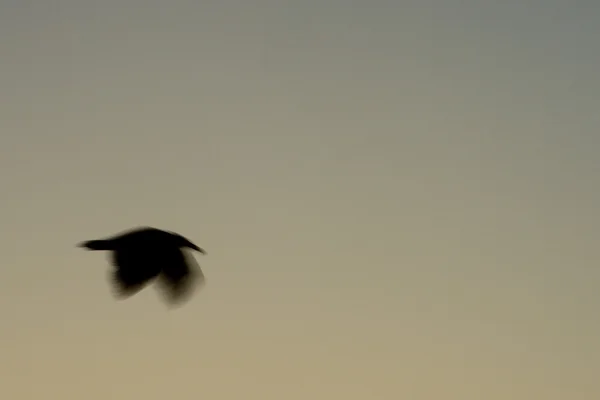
399,200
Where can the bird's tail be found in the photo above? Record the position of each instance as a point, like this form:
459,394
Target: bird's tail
96,245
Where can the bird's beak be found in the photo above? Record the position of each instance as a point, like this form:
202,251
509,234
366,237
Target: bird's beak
194,247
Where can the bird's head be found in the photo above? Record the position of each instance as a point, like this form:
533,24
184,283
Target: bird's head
184,242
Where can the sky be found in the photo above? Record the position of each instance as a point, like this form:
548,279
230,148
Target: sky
398,199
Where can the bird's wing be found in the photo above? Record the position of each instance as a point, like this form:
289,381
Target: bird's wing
126,285
180,276
133,271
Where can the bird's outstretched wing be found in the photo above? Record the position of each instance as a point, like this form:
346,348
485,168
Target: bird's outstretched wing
180,276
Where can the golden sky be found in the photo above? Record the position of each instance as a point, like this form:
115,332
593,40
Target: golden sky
399,199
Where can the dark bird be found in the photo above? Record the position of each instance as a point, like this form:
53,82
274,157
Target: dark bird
143,255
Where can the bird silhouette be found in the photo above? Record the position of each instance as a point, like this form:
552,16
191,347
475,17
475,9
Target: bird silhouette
144,255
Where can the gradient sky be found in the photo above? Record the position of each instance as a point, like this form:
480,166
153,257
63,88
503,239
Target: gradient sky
399,199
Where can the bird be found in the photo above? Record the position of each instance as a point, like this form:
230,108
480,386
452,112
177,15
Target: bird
145,255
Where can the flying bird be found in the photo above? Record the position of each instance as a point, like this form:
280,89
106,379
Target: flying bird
144,255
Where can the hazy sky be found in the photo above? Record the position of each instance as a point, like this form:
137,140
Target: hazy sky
399,199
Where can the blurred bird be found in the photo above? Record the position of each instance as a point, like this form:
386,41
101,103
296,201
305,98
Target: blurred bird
147,254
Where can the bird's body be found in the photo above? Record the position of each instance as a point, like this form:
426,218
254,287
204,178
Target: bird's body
143,255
